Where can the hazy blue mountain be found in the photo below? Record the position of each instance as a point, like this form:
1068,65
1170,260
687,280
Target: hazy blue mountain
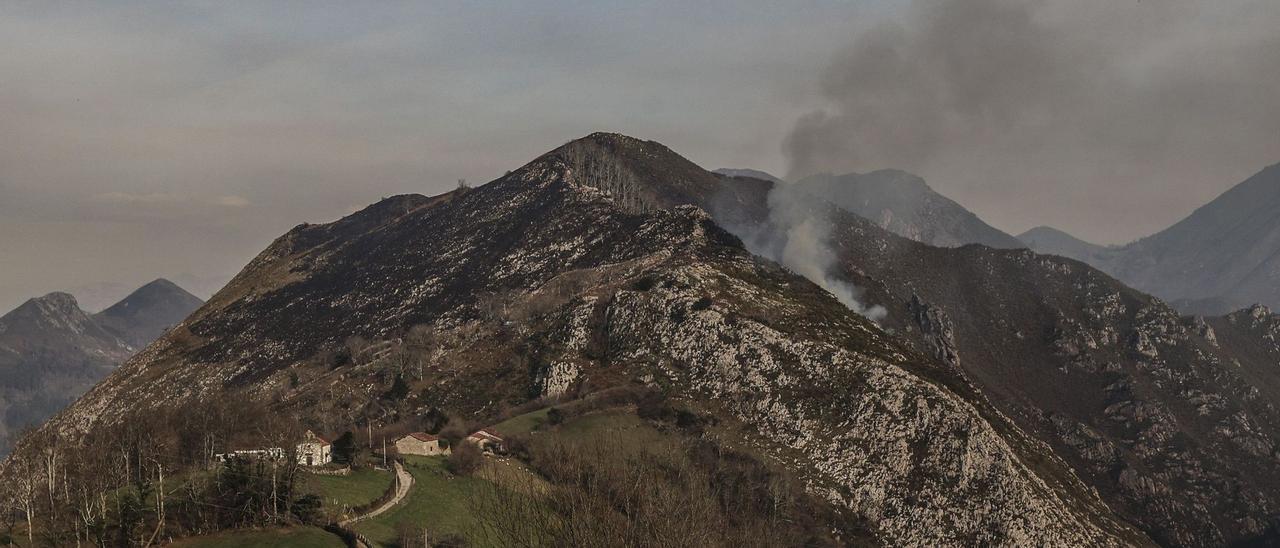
1051,241
148,312
52,351
1224,256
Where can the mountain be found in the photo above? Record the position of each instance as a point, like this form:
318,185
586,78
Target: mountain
587,268
1171,419
1051,241
1228,249
1224,256
148,312
51,351
999,397
904,204
1175,428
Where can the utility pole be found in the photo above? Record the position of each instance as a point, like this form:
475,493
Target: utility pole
384,451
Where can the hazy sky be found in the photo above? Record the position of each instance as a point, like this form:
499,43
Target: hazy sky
140,140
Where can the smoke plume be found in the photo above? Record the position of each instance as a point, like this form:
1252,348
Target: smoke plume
1043,111
797,235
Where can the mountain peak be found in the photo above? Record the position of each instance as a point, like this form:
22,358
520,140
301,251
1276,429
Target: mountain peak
147,312
56,305
641,175
58,300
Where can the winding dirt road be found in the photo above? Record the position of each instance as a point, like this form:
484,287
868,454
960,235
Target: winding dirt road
402,490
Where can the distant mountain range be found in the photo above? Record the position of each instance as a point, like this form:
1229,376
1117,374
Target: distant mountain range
51,350
1224,256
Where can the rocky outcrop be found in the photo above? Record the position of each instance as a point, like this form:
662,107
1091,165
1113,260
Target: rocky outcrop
936,330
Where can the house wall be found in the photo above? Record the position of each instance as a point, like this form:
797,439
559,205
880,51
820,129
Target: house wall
314,454
412,446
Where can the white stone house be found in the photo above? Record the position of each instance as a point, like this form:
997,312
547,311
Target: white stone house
314,450
486,440
420,443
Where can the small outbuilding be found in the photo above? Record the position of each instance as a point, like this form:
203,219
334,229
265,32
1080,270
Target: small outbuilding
314,450
486,440
420,443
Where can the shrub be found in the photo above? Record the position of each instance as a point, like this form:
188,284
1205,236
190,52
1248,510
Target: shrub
464,459
399,389
344,448
645,283
555,416
307,508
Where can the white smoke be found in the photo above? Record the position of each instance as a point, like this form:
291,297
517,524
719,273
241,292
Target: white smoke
797,235
807,253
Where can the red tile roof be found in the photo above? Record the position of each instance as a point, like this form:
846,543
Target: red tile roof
485,434
312,435
421,436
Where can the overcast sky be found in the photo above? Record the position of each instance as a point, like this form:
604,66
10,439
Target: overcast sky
172,139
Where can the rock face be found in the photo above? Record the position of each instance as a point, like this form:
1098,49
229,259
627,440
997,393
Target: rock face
586,266
1224,256
51,351
904,204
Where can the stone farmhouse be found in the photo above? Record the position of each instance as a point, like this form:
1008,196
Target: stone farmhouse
420,443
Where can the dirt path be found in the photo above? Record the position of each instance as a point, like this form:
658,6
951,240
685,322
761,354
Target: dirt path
402,490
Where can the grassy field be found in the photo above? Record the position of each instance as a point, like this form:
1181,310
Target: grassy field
362,486
522,424
295,537
621,427
445,504
437,501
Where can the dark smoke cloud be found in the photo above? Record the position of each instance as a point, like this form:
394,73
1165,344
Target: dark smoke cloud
1111,119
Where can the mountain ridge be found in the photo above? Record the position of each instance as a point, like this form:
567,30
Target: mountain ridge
586,264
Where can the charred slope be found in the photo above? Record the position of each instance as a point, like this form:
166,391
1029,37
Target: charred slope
1176,429
575,271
